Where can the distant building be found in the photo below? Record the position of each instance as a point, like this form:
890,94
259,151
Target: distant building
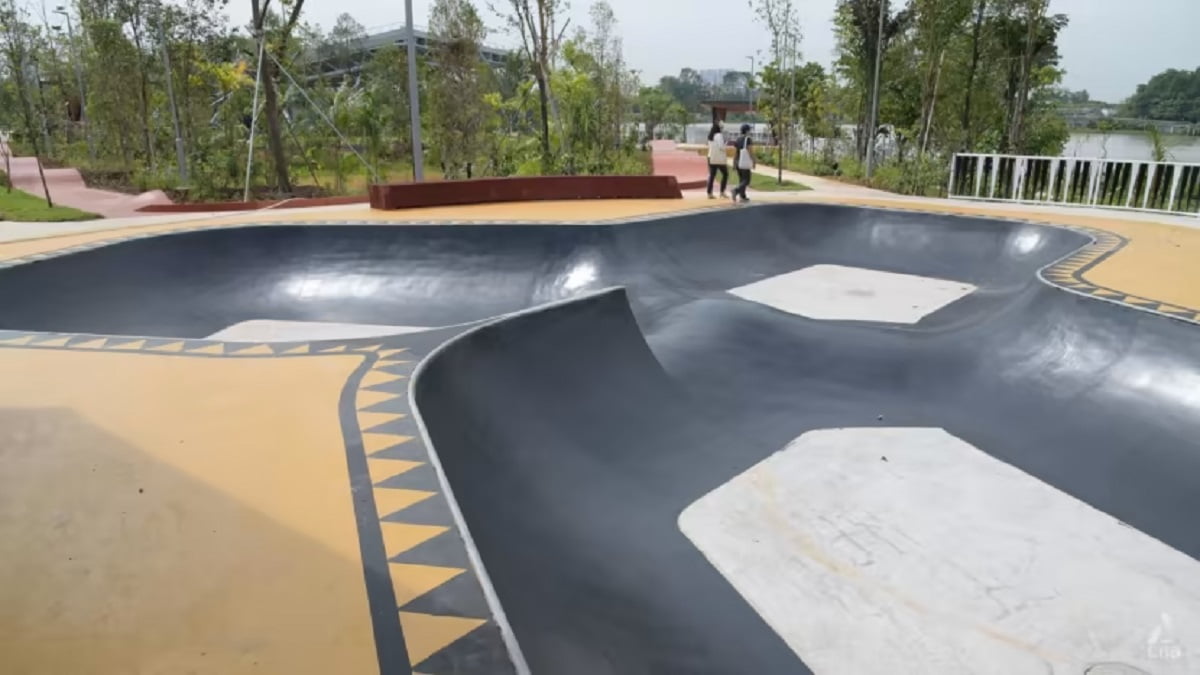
713,77
370,44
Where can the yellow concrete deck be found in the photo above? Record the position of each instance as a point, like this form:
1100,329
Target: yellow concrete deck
175,514
1157,262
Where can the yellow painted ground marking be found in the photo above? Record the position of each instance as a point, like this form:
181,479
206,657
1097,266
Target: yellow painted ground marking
169,347
389,353
22,340
425,634
130,346
1108,294
255,350
53,342
412,581
301,349
379,365
334,350
196,518
366,399
372,348
374,378
216,349
1158,260
391,500
383,469
90,344
400,537
374,442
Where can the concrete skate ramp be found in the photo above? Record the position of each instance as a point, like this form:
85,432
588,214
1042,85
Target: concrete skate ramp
572,451
194,284
573,437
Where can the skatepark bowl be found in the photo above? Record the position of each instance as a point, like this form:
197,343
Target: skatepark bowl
789,438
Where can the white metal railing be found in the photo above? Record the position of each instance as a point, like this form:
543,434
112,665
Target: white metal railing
1163,187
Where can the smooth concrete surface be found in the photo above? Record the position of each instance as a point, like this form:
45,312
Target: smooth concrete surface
574,437
148,525
265,330
837,292
915,553
583,492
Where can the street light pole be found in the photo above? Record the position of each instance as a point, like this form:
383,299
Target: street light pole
874,112
87,134
180,152
414,101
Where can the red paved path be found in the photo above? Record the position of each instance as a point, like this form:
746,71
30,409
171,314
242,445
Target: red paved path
67,189
689,167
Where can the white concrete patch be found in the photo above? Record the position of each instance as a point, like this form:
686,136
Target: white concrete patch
265,330
853,293
941,559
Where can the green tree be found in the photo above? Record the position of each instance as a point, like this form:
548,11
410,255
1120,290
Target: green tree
16,36
537,24
653,106
1172,95
856,27
276,50
457,85
936,23
688,88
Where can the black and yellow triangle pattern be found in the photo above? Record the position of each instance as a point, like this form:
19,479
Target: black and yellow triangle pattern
445,620
200,348
444,615
1069,273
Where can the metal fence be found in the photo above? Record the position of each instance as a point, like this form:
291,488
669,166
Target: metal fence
1164,187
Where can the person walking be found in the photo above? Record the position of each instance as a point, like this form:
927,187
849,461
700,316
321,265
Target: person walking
717,159
744,161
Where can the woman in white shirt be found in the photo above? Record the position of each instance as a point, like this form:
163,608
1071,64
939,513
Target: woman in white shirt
717,160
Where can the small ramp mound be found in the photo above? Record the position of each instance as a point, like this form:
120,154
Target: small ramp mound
535,417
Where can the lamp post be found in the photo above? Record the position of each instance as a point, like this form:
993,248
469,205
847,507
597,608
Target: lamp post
414,102
87,134
872,118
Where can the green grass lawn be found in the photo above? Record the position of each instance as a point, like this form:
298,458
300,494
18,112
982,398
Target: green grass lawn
23,207
768,184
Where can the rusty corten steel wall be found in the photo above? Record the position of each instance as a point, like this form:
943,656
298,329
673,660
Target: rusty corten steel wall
534,188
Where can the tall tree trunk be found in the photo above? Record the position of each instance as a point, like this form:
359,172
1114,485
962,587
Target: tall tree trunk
544,106
274,137
1016,130
7,167
931,103
144,93
18,71
968,139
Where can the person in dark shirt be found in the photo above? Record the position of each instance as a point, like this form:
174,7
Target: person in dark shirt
744,161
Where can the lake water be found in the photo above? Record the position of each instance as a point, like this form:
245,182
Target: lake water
1131,146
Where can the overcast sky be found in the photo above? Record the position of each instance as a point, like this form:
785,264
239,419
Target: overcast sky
1109,47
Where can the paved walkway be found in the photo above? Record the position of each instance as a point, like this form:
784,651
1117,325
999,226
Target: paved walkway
689,167
68,189
822,185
